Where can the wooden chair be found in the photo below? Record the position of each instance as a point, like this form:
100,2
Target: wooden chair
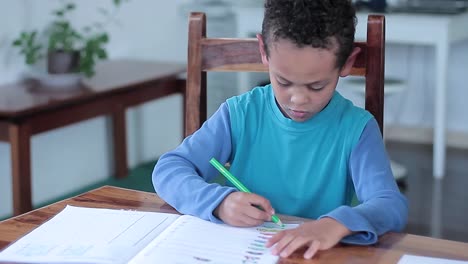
235,54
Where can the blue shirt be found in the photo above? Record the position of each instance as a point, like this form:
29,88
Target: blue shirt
181,178
301,167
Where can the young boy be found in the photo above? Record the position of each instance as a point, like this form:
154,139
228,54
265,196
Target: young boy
297,144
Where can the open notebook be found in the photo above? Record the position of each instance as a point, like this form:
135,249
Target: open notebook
89,235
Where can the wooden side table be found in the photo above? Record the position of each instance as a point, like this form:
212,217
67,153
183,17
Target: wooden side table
28,108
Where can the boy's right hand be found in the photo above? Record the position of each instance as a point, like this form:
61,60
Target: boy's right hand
241,209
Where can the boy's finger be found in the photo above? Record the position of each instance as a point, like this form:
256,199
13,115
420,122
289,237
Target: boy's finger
282,244
249,221
262,202
296,243
257,213
277,237
312,249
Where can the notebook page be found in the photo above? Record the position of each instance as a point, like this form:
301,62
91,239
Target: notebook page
88,235
193,240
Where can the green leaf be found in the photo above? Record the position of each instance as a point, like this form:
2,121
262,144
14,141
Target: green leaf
16,42
103,38
102,54
37,48
117,3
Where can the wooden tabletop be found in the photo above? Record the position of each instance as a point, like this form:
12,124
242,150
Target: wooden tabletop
389,249
112,76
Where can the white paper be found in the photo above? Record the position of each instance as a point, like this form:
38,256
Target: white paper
192,240
89,235
410,259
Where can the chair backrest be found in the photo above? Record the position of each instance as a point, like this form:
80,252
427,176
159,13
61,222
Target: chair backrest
242,55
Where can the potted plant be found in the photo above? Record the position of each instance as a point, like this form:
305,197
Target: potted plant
68,50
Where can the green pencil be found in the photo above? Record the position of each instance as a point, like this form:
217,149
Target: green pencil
238,184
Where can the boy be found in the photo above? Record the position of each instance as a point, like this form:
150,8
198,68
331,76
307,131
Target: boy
297,144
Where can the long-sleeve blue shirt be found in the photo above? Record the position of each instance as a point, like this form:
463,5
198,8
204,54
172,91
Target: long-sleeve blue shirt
181,178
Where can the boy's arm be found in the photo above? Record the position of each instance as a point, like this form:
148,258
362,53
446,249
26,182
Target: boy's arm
382,207
180,176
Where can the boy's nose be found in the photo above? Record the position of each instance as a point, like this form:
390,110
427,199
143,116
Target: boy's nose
299,98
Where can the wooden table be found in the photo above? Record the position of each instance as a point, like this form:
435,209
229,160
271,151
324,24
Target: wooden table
29,108
389,249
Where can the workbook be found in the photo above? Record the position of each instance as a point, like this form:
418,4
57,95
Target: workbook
91,235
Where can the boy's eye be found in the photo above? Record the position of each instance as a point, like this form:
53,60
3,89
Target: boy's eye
316,87
284,84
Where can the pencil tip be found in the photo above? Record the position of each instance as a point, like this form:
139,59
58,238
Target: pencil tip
279,223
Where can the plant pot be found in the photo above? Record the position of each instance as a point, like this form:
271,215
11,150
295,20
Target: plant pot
60,62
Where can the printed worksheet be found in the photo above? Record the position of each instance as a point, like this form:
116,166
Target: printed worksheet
192,240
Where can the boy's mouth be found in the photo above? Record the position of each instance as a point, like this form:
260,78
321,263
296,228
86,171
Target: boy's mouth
298,114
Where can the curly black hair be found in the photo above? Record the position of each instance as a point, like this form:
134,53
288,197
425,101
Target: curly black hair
316,23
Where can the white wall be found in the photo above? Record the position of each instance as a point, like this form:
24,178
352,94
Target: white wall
414,106
78,155
13,19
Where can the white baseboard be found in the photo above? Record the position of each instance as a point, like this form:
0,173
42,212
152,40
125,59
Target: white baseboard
423,135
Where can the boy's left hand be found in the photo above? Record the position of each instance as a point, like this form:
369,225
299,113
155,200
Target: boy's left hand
315,235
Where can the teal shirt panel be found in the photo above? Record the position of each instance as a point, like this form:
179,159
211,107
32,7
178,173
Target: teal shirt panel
301,167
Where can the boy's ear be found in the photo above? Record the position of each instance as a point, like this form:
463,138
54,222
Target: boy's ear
346,69
261,47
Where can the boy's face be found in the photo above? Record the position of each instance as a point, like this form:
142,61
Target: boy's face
303,79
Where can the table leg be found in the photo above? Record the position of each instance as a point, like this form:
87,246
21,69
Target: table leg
440,98
20,137
120,145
